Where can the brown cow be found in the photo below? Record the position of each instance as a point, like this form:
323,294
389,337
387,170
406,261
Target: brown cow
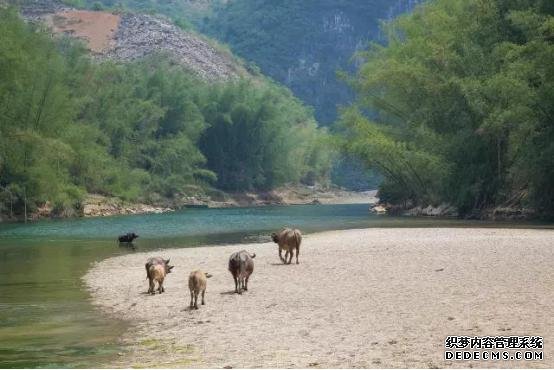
197,284
289,240
241,266
156,270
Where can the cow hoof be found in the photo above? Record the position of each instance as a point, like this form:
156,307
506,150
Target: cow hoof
195,307
203,303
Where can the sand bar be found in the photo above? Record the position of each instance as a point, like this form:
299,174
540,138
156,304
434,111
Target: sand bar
358,298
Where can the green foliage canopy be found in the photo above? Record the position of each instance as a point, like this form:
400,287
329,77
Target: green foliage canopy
463,98
140,130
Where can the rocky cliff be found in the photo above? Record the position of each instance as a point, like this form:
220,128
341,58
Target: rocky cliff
127,36
139,35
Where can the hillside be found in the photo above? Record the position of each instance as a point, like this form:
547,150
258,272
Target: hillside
302,44
123,119
125,36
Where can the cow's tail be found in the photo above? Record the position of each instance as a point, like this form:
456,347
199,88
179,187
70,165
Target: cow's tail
242,272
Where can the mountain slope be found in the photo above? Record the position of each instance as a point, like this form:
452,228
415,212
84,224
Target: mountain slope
127,37
302,44
148,130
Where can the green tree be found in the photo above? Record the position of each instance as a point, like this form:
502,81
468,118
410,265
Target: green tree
35,108
139,131
462,98
260,137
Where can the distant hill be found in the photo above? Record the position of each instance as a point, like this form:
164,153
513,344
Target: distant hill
302,44
128,36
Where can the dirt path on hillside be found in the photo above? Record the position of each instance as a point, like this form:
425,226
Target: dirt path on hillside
97,29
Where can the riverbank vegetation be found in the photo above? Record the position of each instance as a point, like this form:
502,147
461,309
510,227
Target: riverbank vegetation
139,131
459,106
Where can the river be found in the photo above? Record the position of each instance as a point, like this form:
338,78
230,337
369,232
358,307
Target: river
46,319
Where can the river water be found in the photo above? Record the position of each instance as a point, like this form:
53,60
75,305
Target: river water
46,319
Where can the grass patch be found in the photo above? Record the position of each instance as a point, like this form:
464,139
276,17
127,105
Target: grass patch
183,352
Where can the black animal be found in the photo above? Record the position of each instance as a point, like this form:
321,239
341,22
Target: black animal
241,266
127,238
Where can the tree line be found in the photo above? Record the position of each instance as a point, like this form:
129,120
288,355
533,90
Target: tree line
140,131
458,106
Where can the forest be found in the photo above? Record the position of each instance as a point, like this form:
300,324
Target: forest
300,44
303,44
139,131
453,105
458,106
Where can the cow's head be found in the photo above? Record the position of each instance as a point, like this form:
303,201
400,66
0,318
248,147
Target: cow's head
168,268
274,237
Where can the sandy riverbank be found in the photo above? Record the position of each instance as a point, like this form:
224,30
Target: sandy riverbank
359,298
95,205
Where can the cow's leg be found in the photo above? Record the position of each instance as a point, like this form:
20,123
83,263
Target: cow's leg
151,288
236,284
191,298
161,286
203,301
297,253
241,284
291,255
280,256
246,283
196,299
286,257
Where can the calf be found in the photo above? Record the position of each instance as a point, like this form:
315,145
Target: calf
289,240
197,284
127,238
156,270
241,266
